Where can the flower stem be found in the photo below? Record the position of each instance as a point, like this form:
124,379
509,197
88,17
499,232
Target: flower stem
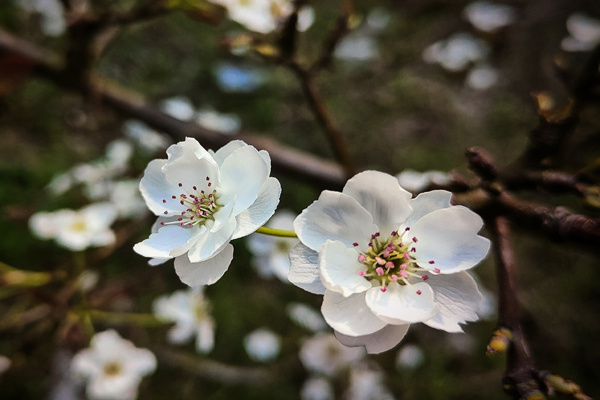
276,232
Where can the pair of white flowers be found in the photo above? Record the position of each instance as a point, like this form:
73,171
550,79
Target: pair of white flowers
381,259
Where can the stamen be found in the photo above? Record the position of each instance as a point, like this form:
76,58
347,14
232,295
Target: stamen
419,292
436,270
355,244
383,289
380,260
414,240
361,257
425,277
379,271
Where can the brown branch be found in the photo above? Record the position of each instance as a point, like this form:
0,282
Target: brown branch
334,135
285,160
522,379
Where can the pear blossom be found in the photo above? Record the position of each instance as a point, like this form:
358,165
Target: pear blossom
317,388
190,311
323,354
145,138
113,366
584,33
415,181
52,12
125,196
457,52
265,16
482,77
178,107
409,357
203,200
306,317
262,345
224,123
4,364
383,260
271,254
489,17
76,230
367,382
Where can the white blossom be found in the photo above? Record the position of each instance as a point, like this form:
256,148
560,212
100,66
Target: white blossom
224,123
482,77
410,356
585,33
147,139
262,345
178,107
112,366
76,229
52,12
203,200
489,17
457,52
415,181
384,260
306,317
271,253
4,364
317,388
323,354
126,198
367,383
265,16
190,310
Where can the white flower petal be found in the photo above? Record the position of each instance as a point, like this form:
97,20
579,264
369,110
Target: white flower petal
334,216
154,189
350,315
400,305
458,298
180,333
225,151
378,342
381,195
449,237
260,211
427,202
339,269
170,241
237,182
205,272
205,338
211,242
304,269
189,172
186,148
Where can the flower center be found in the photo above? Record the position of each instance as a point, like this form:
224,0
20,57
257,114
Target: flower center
197,206
112,368
392,260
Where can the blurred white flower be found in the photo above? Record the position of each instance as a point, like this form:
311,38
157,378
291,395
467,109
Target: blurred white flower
4,364
415,181
375,283
324,354
112,366
87,280
262,345
489,17
482,77
585,33
60,184
224,123
265,16
52,12
457,52
271,254
147,139
203,200
357,48
410,356
317,388
76,230
118,154
178,107
367,383
125,196
190,310
306,317
378,19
